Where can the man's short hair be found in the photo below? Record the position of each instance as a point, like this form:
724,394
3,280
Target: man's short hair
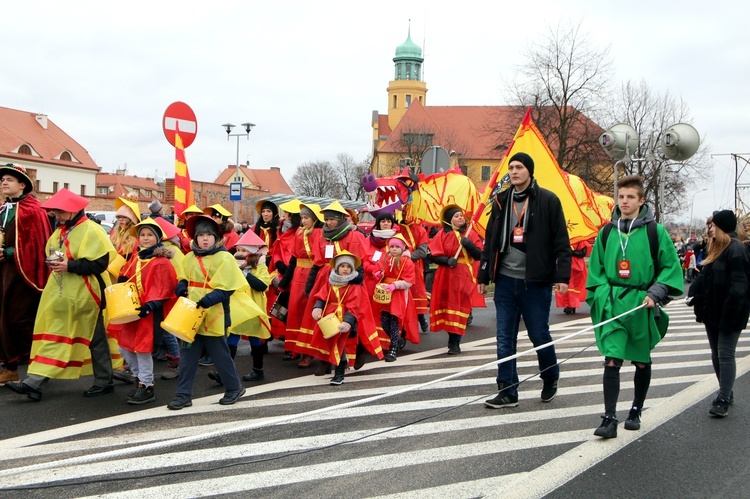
632,181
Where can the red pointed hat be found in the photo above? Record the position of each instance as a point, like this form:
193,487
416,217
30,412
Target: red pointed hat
250,238
66,200
170,229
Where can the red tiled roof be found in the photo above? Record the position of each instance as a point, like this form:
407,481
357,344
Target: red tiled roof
120,182
474,132
269,180
21,127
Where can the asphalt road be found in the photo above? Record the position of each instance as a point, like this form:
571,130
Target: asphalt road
283,440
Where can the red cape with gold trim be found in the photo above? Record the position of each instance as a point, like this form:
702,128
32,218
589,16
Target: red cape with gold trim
30,249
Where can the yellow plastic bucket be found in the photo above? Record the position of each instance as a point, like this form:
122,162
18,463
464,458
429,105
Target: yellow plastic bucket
329,325
115,266
122,301
382,296
184,319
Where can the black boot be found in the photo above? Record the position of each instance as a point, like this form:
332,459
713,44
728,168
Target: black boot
338,375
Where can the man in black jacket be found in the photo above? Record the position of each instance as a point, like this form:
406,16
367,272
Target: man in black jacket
527,251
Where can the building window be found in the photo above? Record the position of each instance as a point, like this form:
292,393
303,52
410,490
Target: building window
65,156
408,100
83,190
54,187
486,170
395,101
24,149
102,191
408,71
66,185
464,169
38,186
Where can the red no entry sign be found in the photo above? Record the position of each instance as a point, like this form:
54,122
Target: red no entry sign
179,117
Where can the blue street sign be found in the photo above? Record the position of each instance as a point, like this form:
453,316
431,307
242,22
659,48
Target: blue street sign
235,191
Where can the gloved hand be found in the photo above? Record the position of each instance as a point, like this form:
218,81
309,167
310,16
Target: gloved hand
317,313
344,327
452,262
201,304
181,289
390,288
465,242
378,275
144,311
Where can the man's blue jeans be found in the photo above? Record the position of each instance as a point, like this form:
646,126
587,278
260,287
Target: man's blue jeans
516,298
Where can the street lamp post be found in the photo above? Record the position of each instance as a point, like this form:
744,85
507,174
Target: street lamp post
690,222
248,128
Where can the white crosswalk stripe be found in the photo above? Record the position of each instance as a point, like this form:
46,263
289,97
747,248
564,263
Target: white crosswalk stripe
394,447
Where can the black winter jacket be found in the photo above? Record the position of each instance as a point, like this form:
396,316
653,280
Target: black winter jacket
722,300
548,250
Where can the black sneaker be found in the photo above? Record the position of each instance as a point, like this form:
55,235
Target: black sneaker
720,408
230,398
143,395
634,419
137,386
338,379
549,390
390,356
608,428
214,375
502,400
254,376
423,324
179,402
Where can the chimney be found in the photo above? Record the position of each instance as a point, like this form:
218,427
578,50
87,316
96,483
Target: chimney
278,169
42,120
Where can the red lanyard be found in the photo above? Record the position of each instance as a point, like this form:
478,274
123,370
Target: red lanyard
523,210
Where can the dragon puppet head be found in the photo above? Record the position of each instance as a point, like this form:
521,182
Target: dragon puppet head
389,194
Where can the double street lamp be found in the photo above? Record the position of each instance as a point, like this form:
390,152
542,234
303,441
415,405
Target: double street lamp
248,128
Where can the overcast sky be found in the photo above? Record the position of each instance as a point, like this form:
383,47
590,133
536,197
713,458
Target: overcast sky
309,74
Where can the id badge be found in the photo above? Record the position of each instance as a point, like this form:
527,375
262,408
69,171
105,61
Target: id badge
517,235
623,269
329,251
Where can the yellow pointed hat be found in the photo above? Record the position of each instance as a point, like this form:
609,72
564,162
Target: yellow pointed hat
336,206
132,205
291,206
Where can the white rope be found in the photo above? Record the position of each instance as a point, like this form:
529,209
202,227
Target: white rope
130,451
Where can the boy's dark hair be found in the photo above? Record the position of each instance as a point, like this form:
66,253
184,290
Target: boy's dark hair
632,181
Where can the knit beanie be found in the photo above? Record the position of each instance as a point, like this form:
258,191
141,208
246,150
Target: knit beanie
726,220
206,227
267,205
155,206
525,159
153,231
448,215
304,210
331,214
345,259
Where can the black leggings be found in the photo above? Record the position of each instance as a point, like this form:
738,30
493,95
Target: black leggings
723,345
390,326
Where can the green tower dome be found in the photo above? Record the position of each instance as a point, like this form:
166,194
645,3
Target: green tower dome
408,50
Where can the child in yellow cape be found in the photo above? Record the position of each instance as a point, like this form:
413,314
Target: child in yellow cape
211,278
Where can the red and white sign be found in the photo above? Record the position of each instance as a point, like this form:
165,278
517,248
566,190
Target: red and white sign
179,116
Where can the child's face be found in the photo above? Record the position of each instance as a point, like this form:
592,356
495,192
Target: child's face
241,253
206,240
395,250
146,238
344,269
306,221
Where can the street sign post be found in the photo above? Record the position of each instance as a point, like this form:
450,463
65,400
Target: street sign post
179,116
235,191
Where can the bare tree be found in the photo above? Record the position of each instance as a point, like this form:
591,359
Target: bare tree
650,114
564,81
349,174
316,179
